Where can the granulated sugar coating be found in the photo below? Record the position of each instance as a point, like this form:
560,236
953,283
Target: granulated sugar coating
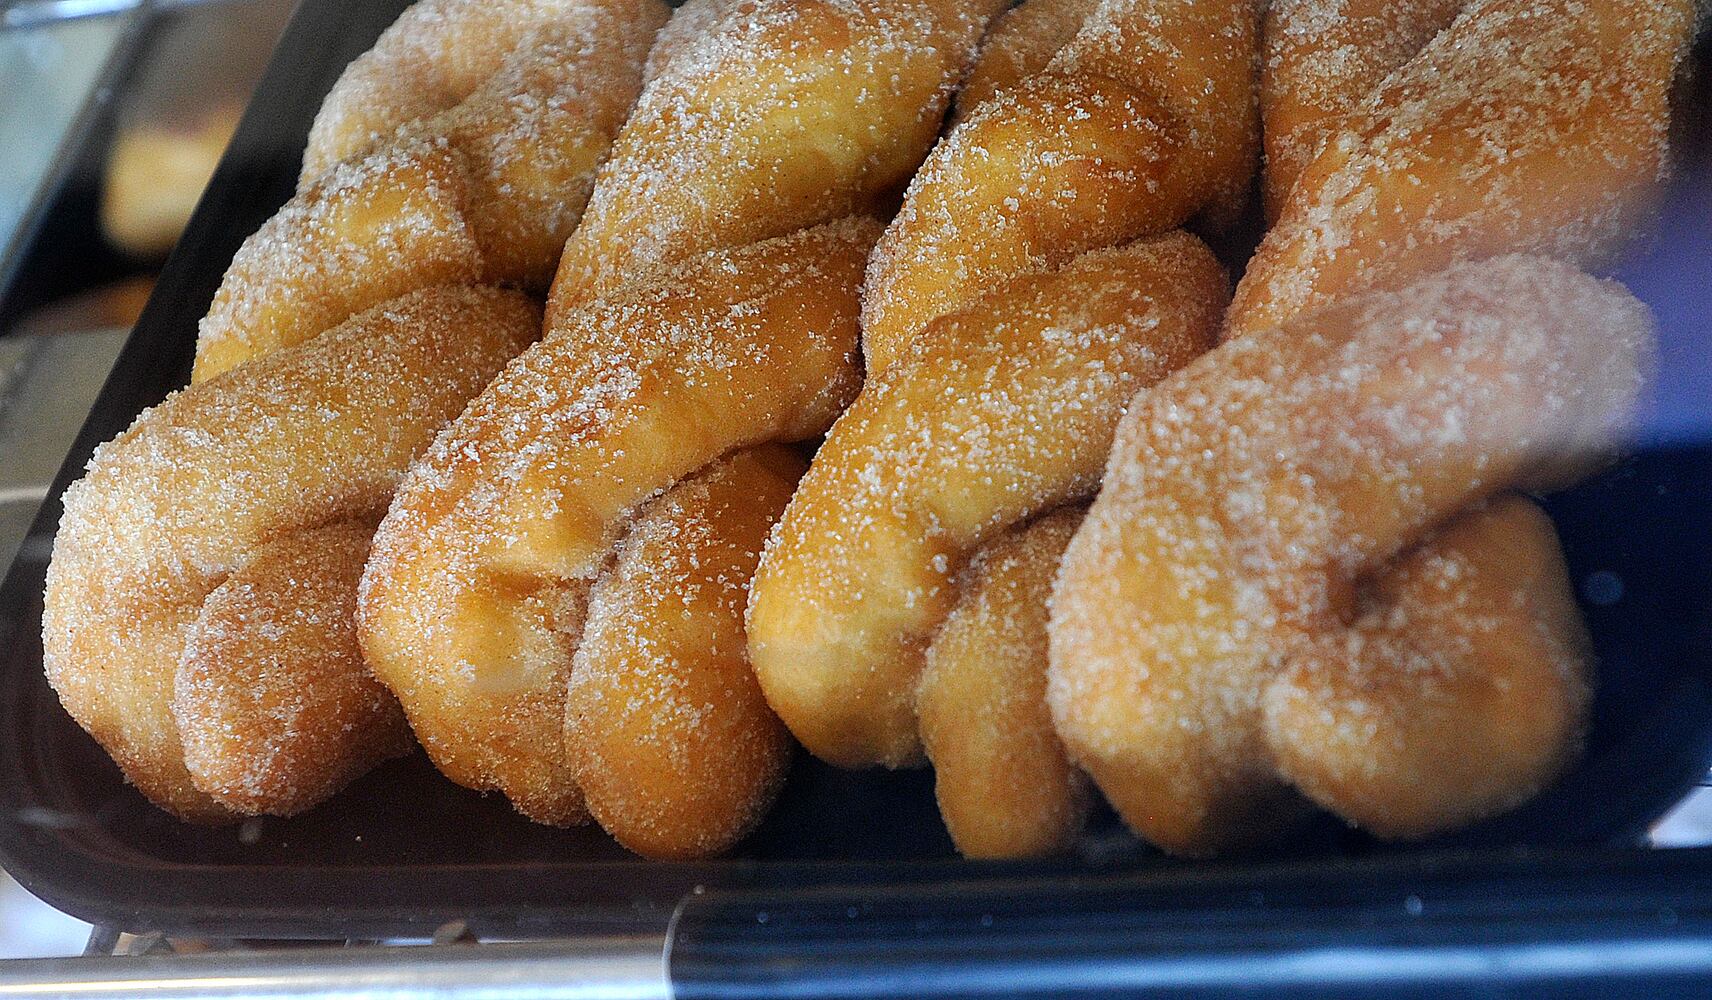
666,728
435,56
1246,496
1320,59
275,705
1535,126
165,513
1004,786
486,190
1019,45
997,414
1460,688
766,116
1145,118
473,600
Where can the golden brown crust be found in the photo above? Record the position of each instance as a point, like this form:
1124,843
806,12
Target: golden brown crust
996,413
1020,44
430,60
1247,496
1320,61
304,437
668,734
773,116
473,599
275,705
1529,126
1005,787
1146,117
1458,691
486,190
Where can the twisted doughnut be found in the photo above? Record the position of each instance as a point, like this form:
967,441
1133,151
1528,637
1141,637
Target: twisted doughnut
667,732
1319,61
1537,126
276,709
474,596
226,483
1473,641
430,60
995,414
486,190
1146,117
766,116
1247,498
1020,44
1005,788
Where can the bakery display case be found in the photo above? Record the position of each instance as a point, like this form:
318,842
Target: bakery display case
407,884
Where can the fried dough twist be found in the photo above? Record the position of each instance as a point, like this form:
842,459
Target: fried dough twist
1020,44
1248,498
1526,126
1004,785
766,116
474,599
483,191
997,414
667,731
1146,117
174,570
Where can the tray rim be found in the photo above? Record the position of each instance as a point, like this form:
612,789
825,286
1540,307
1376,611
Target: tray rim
502,899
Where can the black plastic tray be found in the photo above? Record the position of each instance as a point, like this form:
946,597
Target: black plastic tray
403,850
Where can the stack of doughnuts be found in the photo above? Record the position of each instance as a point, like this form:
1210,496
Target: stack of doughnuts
623,400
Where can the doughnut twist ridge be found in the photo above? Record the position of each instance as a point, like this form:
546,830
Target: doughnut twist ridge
1005,786
475,598
1525,126
177,628
1248,503
763,117
667,732
485,190
997,414
1144,118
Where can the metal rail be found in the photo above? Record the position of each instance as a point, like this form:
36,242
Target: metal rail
607,968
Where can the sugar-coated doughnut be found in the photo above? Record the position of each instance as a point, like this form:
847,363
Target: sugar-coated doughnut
473,600
996,414
1247,497
198,486
1005,787
668,735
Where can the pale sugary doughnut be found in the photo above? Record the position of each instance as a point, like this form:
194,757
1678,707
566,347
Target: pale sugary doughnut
668,734
204,482
473,600
1532,126
1459,690
486,191
276,707
1146,117
996,414
1247,498
1020,44
1004,786
766,116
